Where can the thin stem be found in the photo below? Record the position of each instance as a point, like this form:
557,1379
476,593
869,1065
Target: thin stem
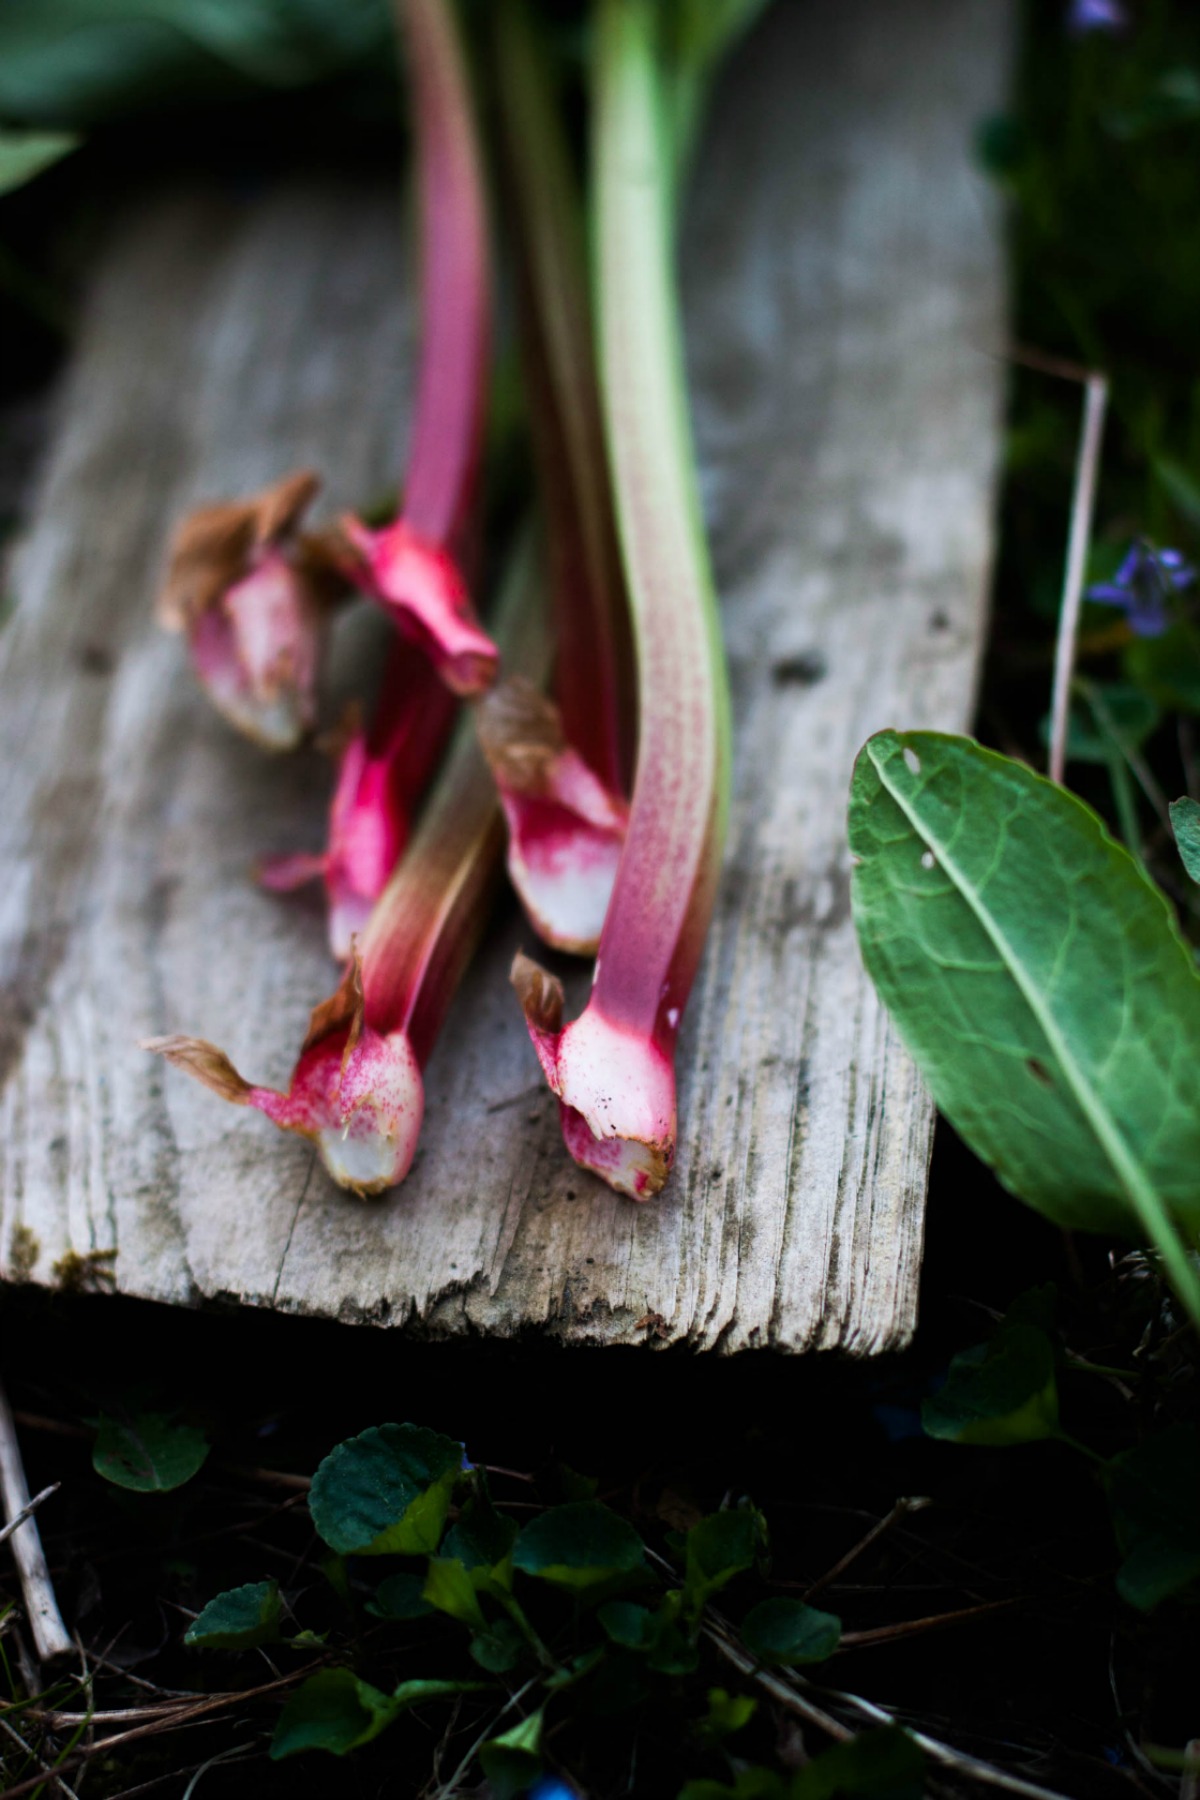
1083,503
904,1506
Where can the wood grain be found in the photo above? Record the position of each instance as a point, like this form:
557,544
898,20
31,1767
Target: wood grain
844,298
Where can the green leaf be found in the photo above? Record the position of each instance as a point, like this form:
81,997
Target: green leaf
386,1491
1154,1495
720,1547
788,1632
1168,667
579,1545
656,1635
1039,980
513,1762
24,154
1125,718
238,1619
498,1648
1180,485
624,1622
75,62
876,1765
335,1711
727,1713
449,1587
749,1784
1002,1392
482,1538
150,1453
400,1597
1185,823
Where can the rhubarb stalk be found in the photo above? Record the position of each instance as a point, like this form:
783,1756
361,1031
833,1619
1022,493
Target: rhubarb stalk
357,1090
613,1068
561,766
416,567
383,771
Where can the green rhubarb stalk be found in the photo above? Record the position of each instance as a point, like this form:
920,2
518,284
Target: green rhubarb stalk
613,1068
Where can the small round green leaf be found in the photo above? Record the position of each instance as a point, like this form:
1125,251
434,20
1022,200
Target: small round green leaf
1003,1392
386,1491
333,1710
400,1597
720,1547
788,1632
149,1454
1154,1495
238,1619
578,1545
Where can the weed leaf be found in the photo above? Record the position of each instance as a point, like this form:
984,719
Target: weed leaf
150,1453
788,1632
238,1619
1185,823
579,1545
1154,1495
1039,980
386,1492
1002,1392
335,1711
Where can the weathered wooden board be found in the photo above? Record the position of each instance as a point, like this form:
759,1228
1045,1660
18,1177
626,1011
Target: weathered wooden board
844,298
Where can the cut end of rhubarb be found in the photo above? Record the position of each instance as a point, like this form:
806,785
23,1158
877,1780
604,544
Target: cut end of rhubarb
356,1094
361,1103
252,608
565,829
423,589
616,1089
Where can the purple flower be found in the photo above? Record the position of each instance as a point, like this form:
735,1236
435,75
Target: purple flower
1096,15
1143,586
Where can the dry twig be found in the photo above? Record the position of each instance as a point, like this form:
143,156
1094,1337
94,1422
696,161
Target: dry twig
50,1636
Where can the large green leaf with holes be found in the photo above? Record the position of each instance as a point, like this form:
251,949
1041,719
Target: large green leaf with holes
1039,980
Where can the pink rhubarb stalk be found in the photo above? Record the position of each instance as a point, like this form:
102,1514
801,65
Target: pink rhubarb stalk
253,596
561,766
613,1068
383,771
357,1090
415,567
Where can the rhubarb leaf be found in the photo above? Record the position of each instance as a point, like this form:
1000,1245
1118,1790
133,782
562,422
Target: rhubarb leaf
787,1632
1040,982
238,1619
149,1454
386,1492
579,1545
1185,823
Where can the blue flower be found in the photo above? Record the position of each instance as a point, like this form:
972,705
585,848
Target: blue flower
551,1788
1143,586
1096,15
